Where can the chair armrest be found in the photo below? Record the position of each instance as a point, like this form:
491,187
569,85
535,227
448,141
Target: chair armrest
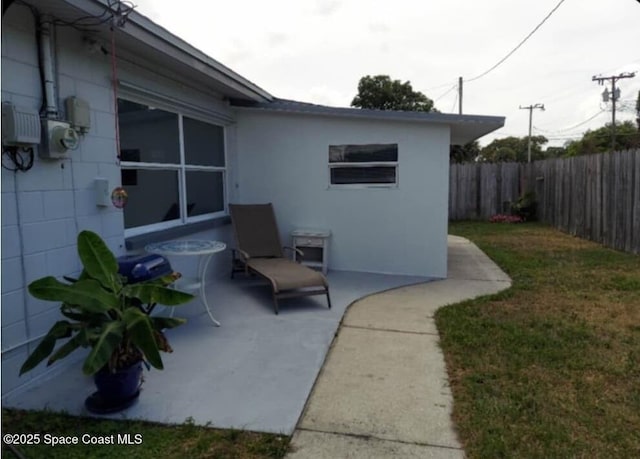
242,253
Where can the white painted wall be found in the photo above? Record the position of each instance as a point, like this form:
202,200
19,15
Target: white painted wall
44,208
283,158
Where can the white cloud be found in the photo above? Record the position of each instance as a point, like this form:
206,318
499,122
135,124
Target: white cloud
317,51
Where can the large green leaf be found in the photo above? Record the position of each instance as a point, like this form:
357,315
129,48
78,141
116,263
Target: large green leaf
97,259
88,295
80,339
103,348
74,313
61,329
160,323
140,330
153,293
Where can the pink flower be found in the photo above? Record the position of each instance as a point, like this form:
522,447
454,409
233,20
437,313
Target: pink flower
502,218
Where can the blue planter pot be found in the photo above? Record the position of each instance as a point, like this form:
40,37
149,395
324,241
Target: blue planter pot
116,390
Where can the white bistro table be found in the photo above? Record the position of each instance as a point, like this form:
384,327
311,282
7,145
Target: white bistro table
203,249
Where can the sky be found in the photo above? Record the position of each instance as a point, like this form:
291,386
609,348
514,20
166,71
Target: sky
317,50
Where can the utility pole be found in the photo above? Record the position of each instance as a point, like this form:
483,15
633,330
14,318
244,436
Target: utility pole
460,95
615,95
530,108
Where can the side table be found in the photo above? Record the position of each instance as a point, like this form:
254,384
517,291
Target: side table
315,245
201,248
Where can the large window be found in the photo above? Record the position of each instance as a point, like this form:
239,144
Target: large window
363,165
173,167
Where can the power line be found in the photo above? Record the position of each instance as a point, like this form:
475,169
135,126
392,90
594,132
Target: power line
519,44
445,93
572,127
438,86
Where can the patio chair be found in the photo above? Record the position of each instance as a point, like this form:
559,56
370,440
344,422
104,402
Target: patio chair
259,251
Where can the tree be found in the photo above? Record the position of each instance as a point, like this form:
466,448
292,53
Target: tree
599,141
555,152
464,153
513,149
382,93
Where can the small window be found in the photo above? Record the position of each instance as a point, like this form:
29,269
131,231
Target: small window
368,165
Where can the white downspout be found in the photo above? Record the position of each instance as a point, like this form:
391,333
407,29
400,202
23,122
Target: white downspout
48,74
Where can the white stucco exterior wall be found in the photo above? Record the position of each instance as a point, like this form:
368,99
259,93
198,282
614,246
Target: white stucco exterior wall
44,208
283,158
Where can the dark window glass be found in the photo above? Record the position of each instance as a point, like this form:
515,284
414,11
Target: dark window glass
362,175
363,153
151,132
204,192
203,143
153,199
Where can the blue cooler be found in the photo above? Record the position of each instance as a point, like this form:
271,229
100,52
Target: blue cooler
140,268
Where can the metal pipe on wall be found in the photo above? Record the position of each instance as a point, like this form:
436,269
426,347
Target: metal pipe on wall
47,63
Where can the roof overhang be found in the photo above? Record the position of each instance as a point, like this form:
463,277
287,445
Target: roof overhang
463,128
142,40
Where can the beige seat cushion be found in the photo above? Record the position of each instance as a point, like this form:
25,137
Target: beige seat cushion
286,274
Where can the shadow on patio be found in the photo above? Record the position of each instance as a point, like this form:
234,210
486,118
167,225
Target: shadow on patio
255,372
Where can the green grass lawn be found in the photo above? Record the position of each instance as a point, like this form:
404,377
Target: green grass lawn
154,440
551,367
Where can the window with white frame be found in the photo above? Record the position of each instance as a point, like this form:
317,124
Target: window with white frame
172,166
363,165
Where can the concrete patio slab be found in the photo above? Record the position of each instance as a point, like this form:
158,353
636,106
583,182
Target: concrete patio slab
255,372
320,445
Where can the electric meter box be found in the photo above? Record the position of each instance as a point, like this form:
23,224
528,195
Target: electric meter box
58,138
20,125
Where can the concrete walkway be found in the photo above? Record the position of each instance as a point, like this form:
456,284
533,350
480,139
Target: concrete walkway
383,390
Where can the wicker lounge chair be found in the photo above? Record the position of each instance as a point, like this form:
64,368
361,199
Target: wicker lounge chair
259,251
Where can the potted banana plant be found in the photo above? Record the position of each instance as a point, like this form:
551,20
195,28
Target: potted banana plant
111,318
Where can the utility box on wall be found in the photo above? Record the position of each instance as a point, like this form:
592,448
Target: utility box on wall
20,125
58,138
79,114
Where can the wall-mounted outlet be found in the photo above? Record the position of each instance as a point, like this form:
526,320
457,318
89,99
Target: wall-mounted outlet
58,139
103,197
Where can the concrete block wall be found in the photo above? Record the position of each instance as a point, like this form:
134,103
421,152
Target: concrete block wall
44,208
399,230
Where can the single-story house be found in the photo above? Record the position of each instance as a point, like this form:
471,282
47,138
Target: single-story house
128,104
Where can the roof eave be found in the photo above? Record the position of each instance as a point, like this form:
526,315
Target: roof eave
464,128
146,31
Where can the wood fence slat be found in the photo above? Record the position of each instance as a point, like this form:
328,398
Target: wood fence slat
635,221
627,197
598,195
510,186
579,196
617,204
607,227
573,198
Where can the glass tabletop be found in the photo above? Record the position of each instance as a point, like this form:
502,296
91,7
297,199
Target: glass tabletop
186,247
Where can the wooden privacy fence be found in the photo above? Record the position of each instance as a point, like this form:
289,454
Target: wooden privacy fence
595,197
